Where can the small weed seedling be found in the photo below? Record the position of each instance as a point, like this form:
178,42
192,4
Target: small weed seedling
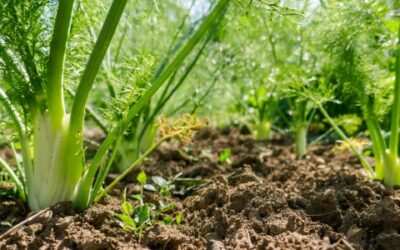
224,156
139,218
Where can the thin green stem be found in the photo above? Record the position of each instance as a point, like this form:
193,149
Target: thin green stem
119,47
175,44
132,166
180,106
18,163
23,137
103,172
14,177
321,137
205,94
310,116
342,135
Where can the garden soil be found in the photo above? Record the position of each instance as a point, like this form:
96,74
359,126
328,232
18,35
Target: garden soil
261,198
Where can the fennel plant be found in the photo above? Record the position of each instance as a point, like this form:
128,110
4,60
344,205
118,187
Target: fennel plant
359,38
32,58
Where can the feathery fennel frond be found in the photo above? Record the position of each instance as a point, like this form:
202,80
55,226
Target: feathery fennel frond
85,26
25,33
131,78
356,41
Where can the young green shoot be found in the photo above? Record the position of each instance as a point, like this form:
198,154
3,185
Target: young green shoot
139,218
224,156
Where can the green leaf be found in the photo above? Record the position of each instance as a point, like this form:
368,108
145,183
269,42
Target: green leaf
350,122
165,189
166,207
142,177
150,187
127,208
142,214
179,218
127,222
138,197
158,180
168,219
224,155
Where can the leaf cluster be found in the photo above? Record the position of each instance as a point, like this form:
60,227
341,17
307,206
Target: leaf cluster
139,218
225,155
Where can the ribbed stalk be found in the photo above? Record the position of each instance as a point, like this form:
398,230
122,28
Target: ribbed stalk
55,95
392,165
394,129
74,140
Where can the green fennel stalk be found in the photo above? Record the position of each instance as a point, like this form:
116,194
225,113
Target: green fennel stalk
391,170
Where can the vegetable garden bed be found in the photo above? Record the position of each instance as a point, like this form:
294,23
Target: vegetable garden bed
100,102
258,197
